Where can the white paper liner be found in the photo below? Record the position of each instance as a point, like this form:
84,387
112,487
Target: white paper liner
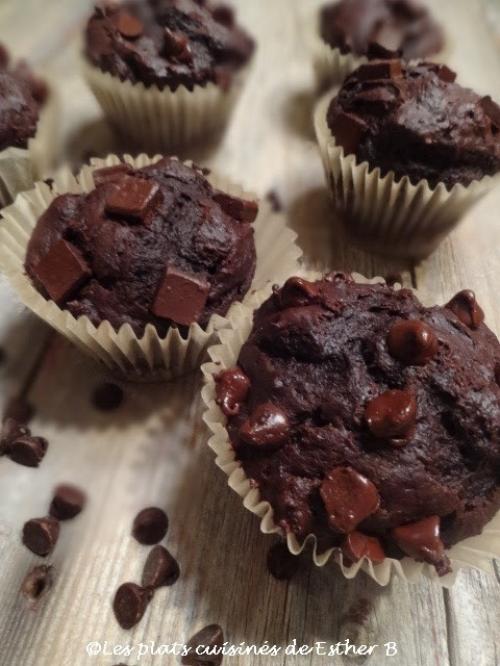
151,357
20,168
389,216
477,552
331,66
157,119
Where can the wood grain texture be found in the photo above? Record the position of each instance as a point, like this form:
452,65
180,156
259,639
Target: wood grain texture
153,450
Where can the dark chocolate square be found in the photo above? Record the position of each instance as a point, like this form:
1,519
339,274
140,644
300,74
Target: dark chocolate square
180,297
347,130
62,271
242,210
386,69
110,174
131,197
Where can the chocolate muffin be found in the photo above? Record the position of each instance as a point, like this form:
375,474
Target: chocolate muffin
168,43
416,121
155,245
381,28
22,96
367,419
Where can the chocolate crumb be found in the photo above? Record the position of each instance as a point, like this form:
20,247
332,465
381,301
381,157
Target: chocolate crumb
107,397
36,584
150,526
68,502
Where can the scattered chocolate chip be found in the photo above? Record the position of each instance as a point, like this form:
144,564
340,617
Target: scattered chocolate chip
392,415
297,291
386,69
358,545
348,130
267,427
180,297
40,535
491,109
205,647
130,604
242,210
421,541
11,430
231,389
275,201
36,584
131,197
107,397
466,308
281,563
67,502
412,341
18,409
62,271
161,568
28,450
111,174
150,526
128,25
349,498
224,14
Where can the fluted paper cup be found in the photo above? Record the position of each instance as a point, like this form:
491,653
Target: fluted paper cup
331,66
389,215
477,551
150,357
156,119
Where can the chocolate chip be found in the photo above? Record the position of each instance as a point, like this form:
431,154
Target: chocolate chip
445,74
392,414
180,297
412,341
150,526
205,647
281,563
421,540
231,389
161,568
266,428
297,291
67,502
358,545
349,498
62,271
491,109
130,604
107,397
348,131
131,197
176,44
36,584
466,308
18,409
11,430
242,210
128,25
40,535
387,69
110,174
224,14
28,450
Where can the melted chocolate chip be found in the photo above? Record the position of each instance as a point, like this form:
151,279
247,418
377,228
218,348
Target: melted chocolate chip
466,308
348,497
297,291
281,563
242,210
36,584
107,397
131,197
128,25
150,526
130,604
28,451
231,389
205,647
412,341
267,427
392,414
180,297
358,545
161,569
176,44
68,502
421,541
40,535
62,271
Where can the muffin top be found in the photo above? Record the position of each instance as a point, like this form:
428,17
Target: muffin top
168,43
21,98
154,245
381,28
416,121
368,419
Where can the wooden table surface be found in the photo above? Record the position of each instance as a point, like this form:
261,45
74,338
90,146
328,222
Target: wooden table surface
152,451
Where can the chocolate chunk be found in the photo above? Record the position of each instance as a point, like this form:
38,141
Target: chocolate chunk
176,44
28,450
446,74
421,541
348,130
128,25
36,584
67,502
348,497
111,174
386,69
131,197
150,526
130,604
282,564
231,389
266,428
40,535
491,109
392,414
11,430
62,271
19,409
205,647
224,14
296,291
412,341
358,545
466,308
180,297
161,568
107,397
242,210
